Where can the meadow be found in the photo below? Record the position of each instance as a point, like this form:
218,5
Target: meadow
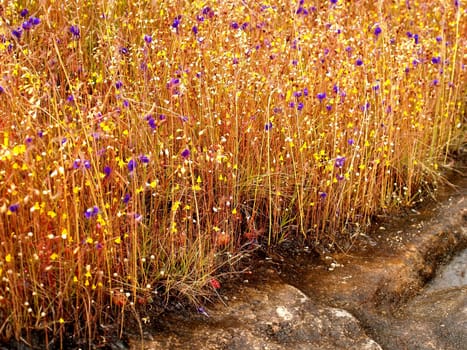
145,145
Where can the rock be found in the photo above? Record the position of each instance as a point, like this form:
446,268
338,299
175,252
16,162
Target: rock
274,316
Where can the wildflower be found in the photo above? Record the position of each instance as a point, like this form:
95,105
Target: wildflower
176,22
323,195
359,62
300,106
350,142
91,212
415,38
234,25
126,198
124,51
26,25
70,98
126,104
152,123
76,163
436,60
118,84
268,126
148,39
186,153
131,165
34,21
339,163
377,30
333,2
24,12
17,33
328,107
215,283
439,39
305,92
144,159
2,90
202,311
13,208
194,29
321,96
107,170
75,32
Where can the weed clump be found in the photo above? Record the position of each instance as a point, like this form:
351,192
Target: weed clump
144,144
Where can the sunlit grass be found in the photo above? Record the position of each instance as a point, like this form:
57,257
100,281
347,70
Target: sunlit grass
144,144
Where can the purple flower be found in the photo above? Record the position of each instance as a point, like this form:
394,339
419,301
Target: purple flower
194,29
76,163
126,198
333,2
300,106
415,38
70,98
124,51
107,171
34,21
436,60
176,22
359,62
268,126
144,159
148,39
328,107
377,30
152,123
118,84
131,165
2,90
323,195
350,142
87,164
439,39
24,12
321,96
305,92
339,163
186,153
234,25
91,212
297,93
126,104
13,208
17,33
74,30
26,25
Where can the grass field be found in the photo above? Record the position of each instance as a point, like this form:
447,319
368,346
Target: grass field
144,145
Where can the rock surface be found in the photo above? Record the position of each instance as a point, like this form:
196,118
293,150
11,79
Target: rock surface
372,298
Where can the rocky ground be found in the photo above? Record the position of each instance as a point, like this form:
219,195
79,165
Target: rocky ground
378,295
